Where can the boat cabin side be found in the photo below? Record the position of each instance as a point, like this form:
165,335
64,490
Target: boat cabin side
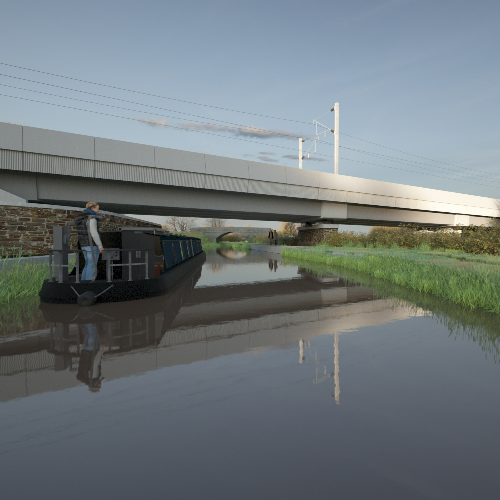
164,251
129,254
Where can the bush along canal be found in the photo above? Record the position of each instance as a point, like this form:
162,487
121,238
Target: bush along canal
464,279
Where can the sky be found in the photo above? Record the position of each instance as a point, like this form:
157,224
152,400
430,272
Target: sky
419,77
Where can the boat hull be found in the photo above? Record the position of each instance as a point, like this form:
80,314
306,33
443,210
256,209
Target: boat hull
119,291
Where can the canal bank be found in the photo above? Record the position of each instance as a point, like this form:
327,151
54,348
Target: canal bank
472,281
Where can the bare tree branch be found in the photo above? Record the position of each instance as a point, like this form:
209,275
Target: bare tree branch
288,228
179,224
216,222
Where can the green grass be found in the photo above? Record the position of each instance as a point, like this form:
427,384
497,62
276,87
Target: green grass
468,280
22,280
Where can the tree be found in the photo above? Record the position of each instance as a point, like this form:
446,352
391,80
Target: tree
216,222
180,224
288,228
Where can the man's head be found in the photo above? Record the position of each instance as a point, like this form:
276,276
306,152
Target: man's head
93,205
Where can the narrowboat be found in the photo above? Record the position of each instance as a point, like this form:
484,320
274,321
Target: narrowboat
137,263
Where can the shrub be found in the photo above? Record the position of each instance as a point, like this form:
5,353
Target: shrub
234,237
472,239
261,239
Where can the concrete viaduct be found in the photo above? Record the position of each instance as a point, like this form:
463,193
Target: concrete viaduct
58,168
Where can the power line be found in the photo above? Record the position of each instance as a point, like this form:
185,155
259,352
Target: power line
414,172
218,107
228,137
124,100
407,162
143,122
150,95
256,129
410,154
412,163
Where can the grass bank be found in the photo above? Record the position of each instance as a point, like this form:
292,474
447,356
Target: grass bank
472,281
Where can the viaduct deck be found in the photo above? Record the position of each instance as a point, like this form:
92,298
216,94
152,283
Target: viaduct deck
58,168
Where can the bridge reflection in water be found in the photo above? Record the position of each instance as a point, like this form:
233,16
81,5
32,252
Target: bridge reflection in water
190,324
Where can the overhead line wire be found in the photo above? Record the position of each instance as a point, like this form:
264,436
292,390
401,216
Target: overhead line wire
217,107
150,95
142,121
412,163
414,172
410,154
256,129
407,162
125,100
228,137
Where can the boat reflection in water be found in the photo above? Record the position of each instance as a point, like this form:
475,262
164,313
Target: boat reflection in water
109,341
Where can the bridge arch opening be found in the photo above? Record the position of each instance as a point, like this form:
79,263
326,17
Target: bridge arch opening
231,236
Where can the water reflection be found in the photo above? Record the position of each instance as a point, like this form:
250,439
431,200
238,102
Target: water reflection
479,326
231,254
273,265
221,389
110,341
284,309
89,365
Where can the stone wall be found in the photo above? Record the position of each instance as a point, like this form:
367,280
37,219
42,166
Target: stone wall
28,229
311,237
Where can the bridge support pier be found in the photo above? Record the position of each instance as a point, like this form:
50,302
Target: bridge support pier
312,234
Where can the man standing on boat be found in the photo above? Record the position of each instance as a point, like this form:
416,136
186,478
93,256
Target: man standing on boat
87,227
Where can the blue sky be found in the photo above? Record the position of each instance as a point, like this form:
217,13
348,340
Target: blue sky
421,77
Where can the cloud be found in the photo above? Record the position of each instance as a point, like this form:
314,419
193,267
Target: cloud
245,131
212,127
267,159
249,156
153,122
296,157
266,153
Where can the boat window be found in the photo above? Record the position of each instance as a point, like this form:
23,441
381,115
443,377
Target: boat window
175,254
158,250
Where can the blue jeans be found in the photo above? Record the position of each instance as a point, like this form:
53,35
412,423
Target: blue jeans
88,270
92,340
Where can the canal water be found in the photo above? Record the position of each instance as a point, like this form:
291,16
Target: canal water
254,379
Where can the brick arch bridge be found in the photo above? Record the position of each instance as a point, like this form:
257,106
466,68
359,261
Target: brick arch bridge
214,234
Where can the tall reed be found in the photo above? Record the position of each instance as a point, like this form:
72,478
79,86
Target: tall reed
473,286
23,279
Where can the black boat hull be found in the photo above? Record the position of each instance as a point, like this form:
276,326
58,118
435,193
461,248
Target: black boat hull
119,291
